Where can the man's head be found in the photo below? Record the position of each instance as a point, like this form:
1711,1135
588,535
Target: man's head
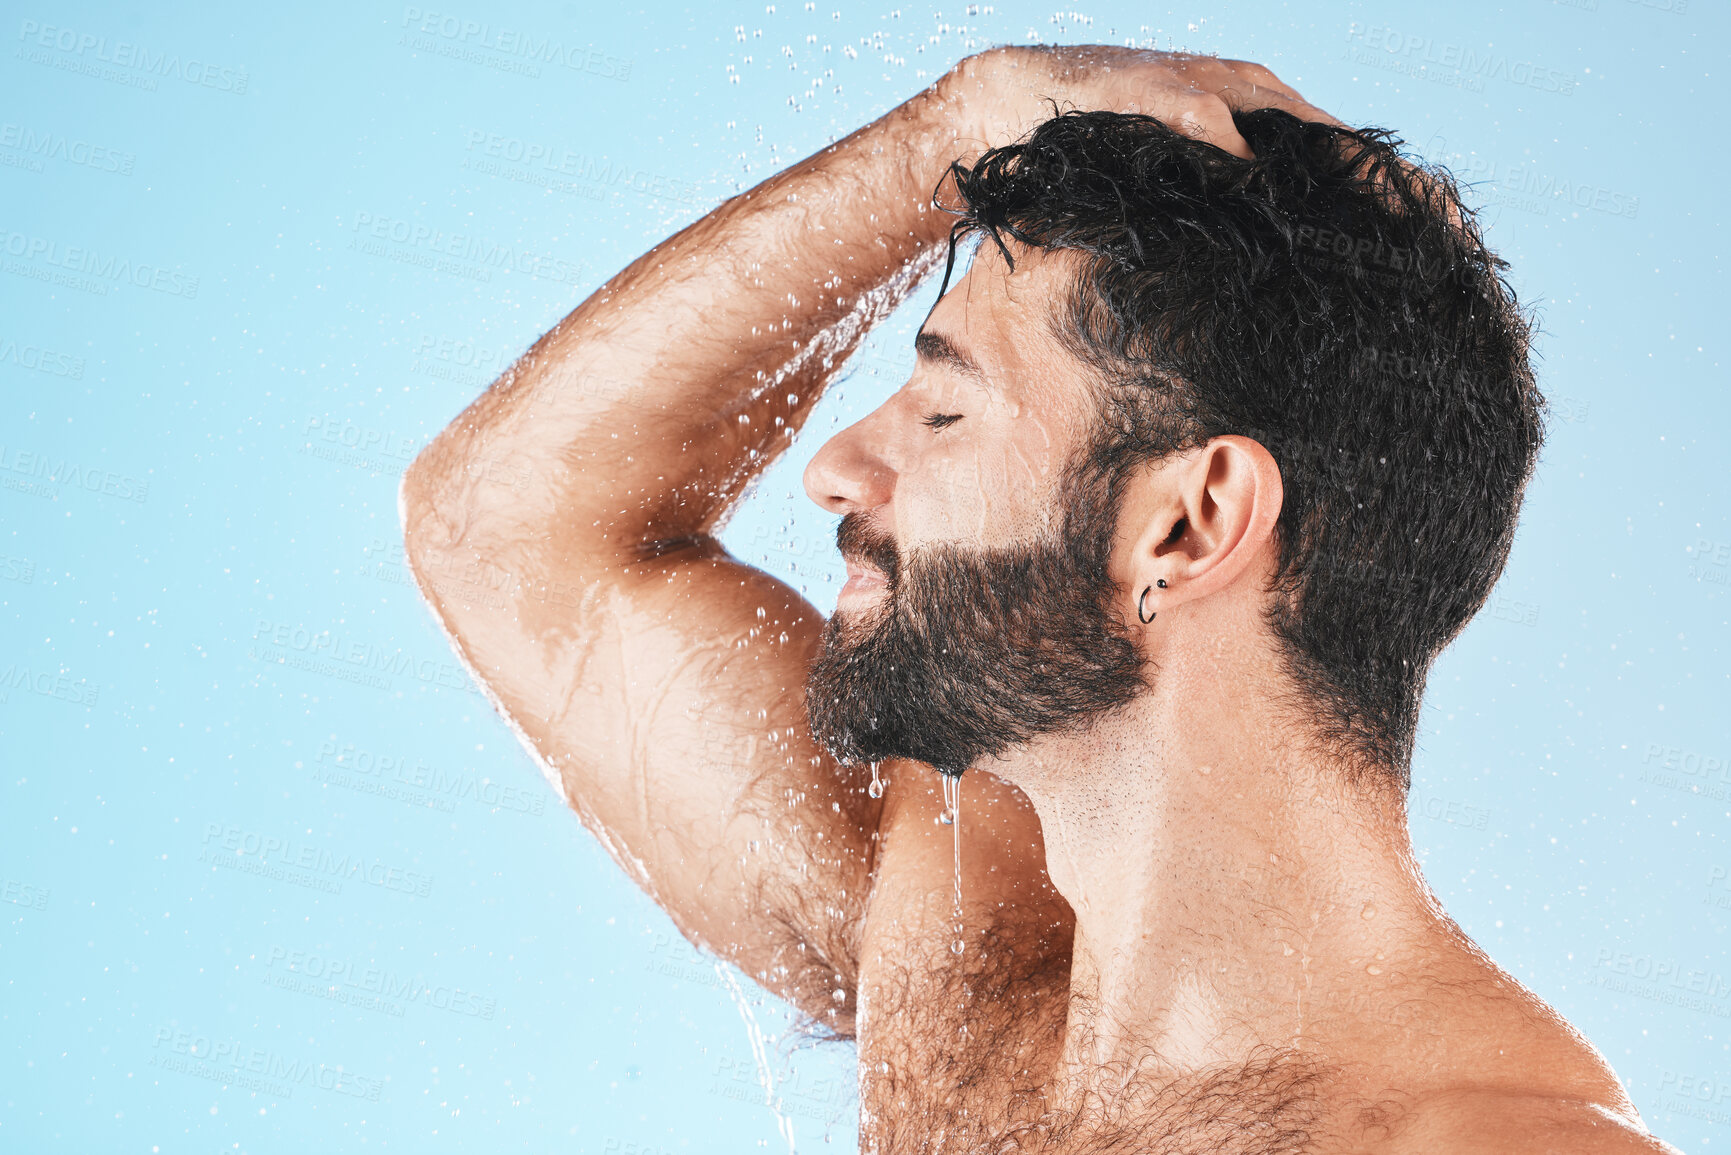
1319,317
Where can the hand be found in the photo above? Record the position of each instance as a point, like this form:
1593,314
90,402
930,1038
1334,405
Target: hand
1005,90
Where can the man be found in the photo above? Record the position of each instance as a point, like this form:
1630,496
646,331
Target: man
1216,443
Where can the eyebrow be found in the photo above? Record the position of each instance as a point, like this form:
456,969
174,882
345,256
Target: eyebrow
941,350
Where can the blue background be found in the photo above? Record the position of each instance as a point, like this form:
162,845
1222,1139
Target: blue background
215,362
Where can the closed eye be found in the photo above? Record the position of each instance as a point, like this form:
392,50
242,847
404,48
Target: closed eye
939,420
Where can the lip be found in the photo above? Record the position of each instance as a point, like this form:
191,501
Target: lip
862,574
862,580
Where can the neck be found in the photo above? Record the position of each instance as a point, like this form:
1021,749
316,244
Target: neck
1232,891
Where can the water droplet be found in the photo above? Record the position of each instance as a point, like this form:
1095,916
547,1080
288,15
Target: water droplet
1372,969
952,817
876,789
1369,911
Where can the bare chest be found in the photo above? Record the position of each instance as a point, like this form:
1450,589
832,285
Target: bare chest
961,1055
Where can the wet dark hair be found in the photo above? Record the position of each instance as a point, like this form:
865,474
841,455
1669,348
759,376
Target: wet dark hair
1332,299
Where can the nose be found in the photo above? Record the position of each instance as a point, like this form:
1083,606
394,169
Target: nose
851,472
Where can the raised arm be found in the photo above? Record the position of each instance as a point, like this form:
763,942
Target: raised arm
562,526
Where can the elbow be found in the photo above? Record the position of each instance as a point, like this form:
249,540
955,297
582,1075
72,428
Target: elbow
425,528
458,511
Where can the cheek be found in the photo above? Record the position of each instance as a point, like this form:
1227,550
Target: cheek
1031,459
993,488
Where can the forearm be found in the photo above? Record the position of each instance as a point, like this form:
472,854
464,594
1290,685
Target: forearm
640,417
665,698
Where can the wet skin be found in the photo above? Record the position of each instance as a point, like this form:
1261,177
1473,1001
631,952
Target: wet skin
659,684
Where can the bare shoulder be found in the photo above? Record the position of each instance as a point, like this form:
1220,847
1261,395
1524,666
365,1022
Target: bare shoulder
1506,1074
1486,1122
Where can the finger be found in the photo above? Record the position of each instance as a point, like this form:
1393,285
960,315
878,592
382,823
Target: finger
1303,110
1248,94
1251,85
1203,116
1242,84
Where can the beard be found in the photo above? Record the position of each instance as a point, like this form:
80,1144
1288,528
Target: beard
972,651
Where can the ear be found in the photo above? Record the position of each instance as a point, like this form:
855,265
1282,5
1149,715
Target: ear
1198,520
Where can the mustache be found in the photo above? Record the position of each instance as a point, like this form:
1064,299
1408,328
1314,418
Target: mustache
858,538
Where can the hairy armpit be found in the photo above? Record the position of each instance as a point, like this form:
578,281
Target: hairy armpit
818,961
953,1050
